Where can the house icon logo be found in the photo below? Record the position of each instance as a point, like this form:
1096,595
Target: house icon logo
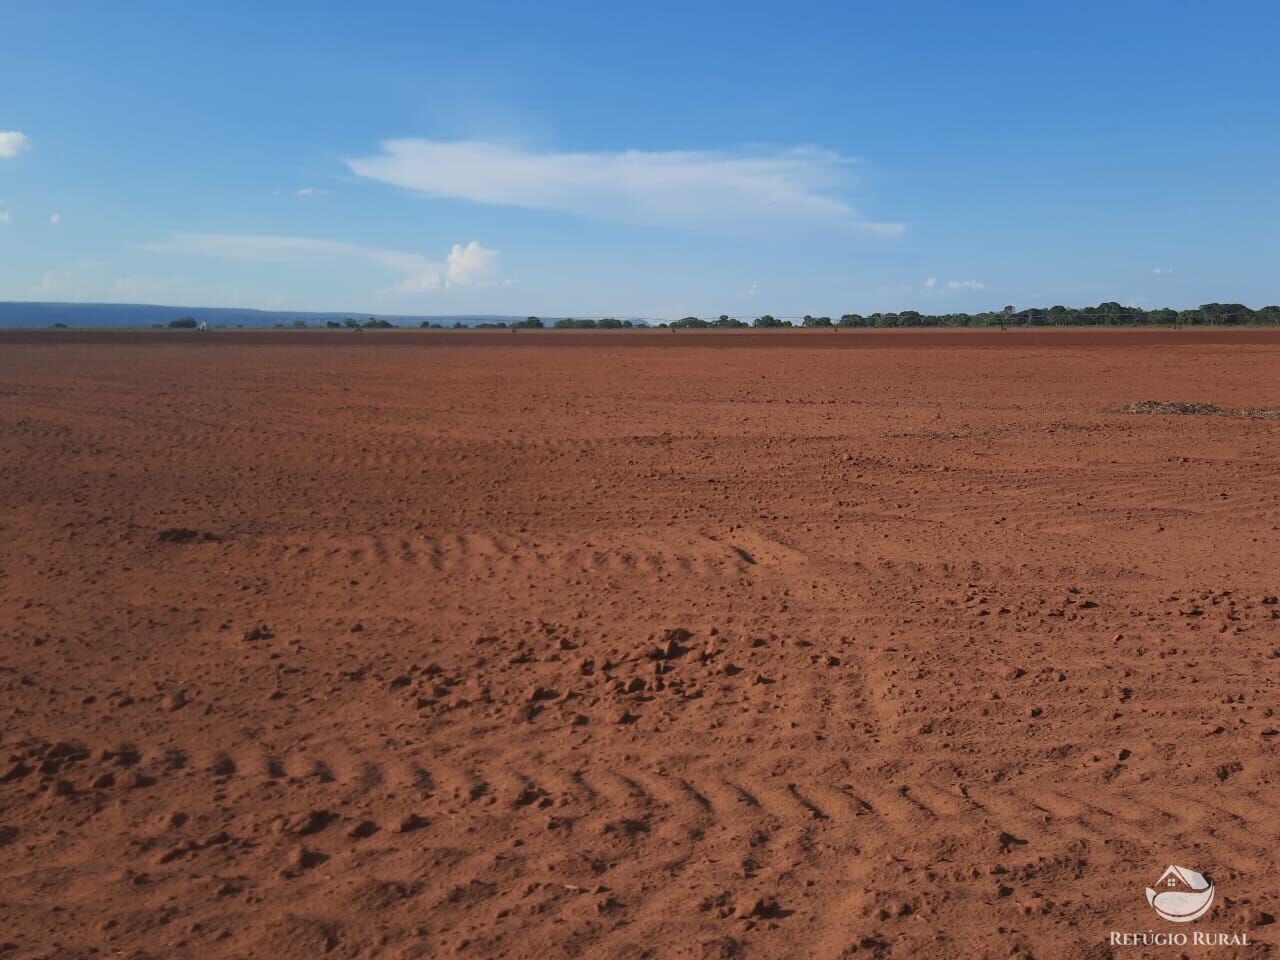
1181,895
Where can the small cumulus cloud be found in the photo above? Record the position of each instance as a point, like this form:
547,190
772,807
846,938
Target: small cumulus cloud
13,143
55,218
1163,271
752,290
931,283
675,188
5,215
465,266
965,285
470,264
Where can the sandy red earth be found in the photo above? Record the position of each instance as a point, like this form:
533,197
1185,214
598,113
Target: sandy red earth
634,645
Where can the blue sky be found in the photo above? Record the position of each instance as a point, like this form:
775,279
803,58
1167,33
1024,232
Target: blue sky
655,160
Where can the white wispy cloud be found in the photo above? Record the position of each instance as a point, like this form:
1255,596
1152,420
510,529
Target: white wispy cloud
464,266
681,188
55,218
930,283
965,285
5,215
1163,271
238,246
54,283
308,192
138,286
13,143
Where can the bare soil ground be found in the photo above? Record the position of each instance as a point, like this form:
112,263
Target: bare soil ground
437,645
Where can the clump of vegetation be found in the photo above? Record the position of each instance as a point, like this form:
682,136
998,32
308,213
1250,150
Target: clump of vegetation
183,323
530,323
185,535
1171,408
768,321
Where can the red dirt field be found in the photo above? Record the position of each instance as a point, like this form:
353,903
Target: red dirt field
482,645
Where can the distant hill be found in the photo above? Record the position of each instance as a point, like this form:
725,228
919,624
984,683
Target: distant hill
18,314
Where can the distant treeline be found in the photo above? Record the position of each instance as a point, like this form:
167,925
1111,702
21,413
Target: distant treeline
374,323
1104,314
